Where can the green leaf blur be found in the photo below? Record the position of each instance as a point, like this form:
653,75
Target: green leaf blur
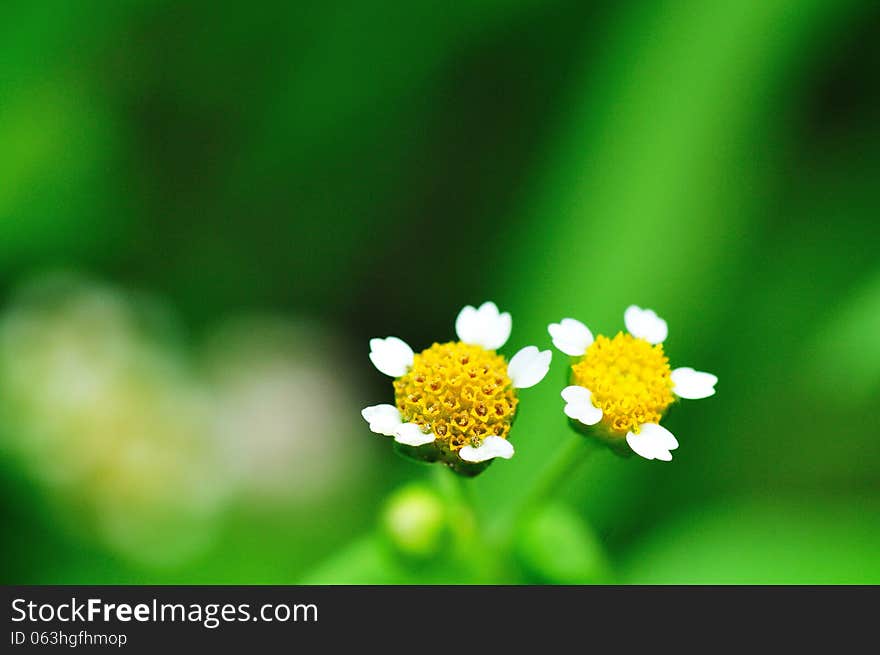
207,210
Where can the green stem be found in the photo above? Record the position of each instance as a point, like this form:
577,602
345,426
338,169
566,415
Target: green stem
459,500
563,464
566,461
452,487
472,548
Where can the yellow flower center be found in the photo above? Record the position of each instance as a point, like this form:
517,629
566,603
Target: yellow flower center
459,392
629,380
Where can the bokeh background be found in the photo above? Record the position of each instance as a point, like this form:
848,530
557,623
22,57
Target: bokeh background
207,209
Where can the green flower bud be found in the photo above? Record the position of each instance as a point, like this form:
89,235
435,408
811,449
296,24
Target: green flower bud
416,521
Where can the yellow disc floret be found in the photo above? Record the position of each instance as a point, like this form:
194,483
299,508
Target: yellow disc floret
629,380
459,392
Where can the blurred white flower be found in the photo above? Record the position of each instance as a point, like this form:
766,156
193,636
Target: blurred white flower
283,411
100,412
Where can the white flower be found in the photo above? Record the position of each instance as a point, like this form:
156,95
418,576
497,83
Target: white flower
624,385
459,396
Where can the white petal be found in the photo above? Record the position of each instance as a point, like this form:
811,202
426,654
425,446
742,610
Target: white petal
467,325
411,434
570,336
528,367
497,326
383,419
652,442
485,327
579,406
645,324
491,447
392,356
691,384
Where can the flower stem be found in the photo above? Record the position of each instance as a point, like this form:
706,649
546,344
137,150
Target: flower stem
459,499
452,487
472,549
563,464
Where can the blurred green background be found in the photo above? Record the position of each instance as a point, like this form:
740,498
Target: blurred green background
206,210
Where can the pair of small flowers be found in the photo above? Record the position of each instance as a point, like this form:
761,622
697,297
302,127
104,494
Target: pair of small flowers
455,402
